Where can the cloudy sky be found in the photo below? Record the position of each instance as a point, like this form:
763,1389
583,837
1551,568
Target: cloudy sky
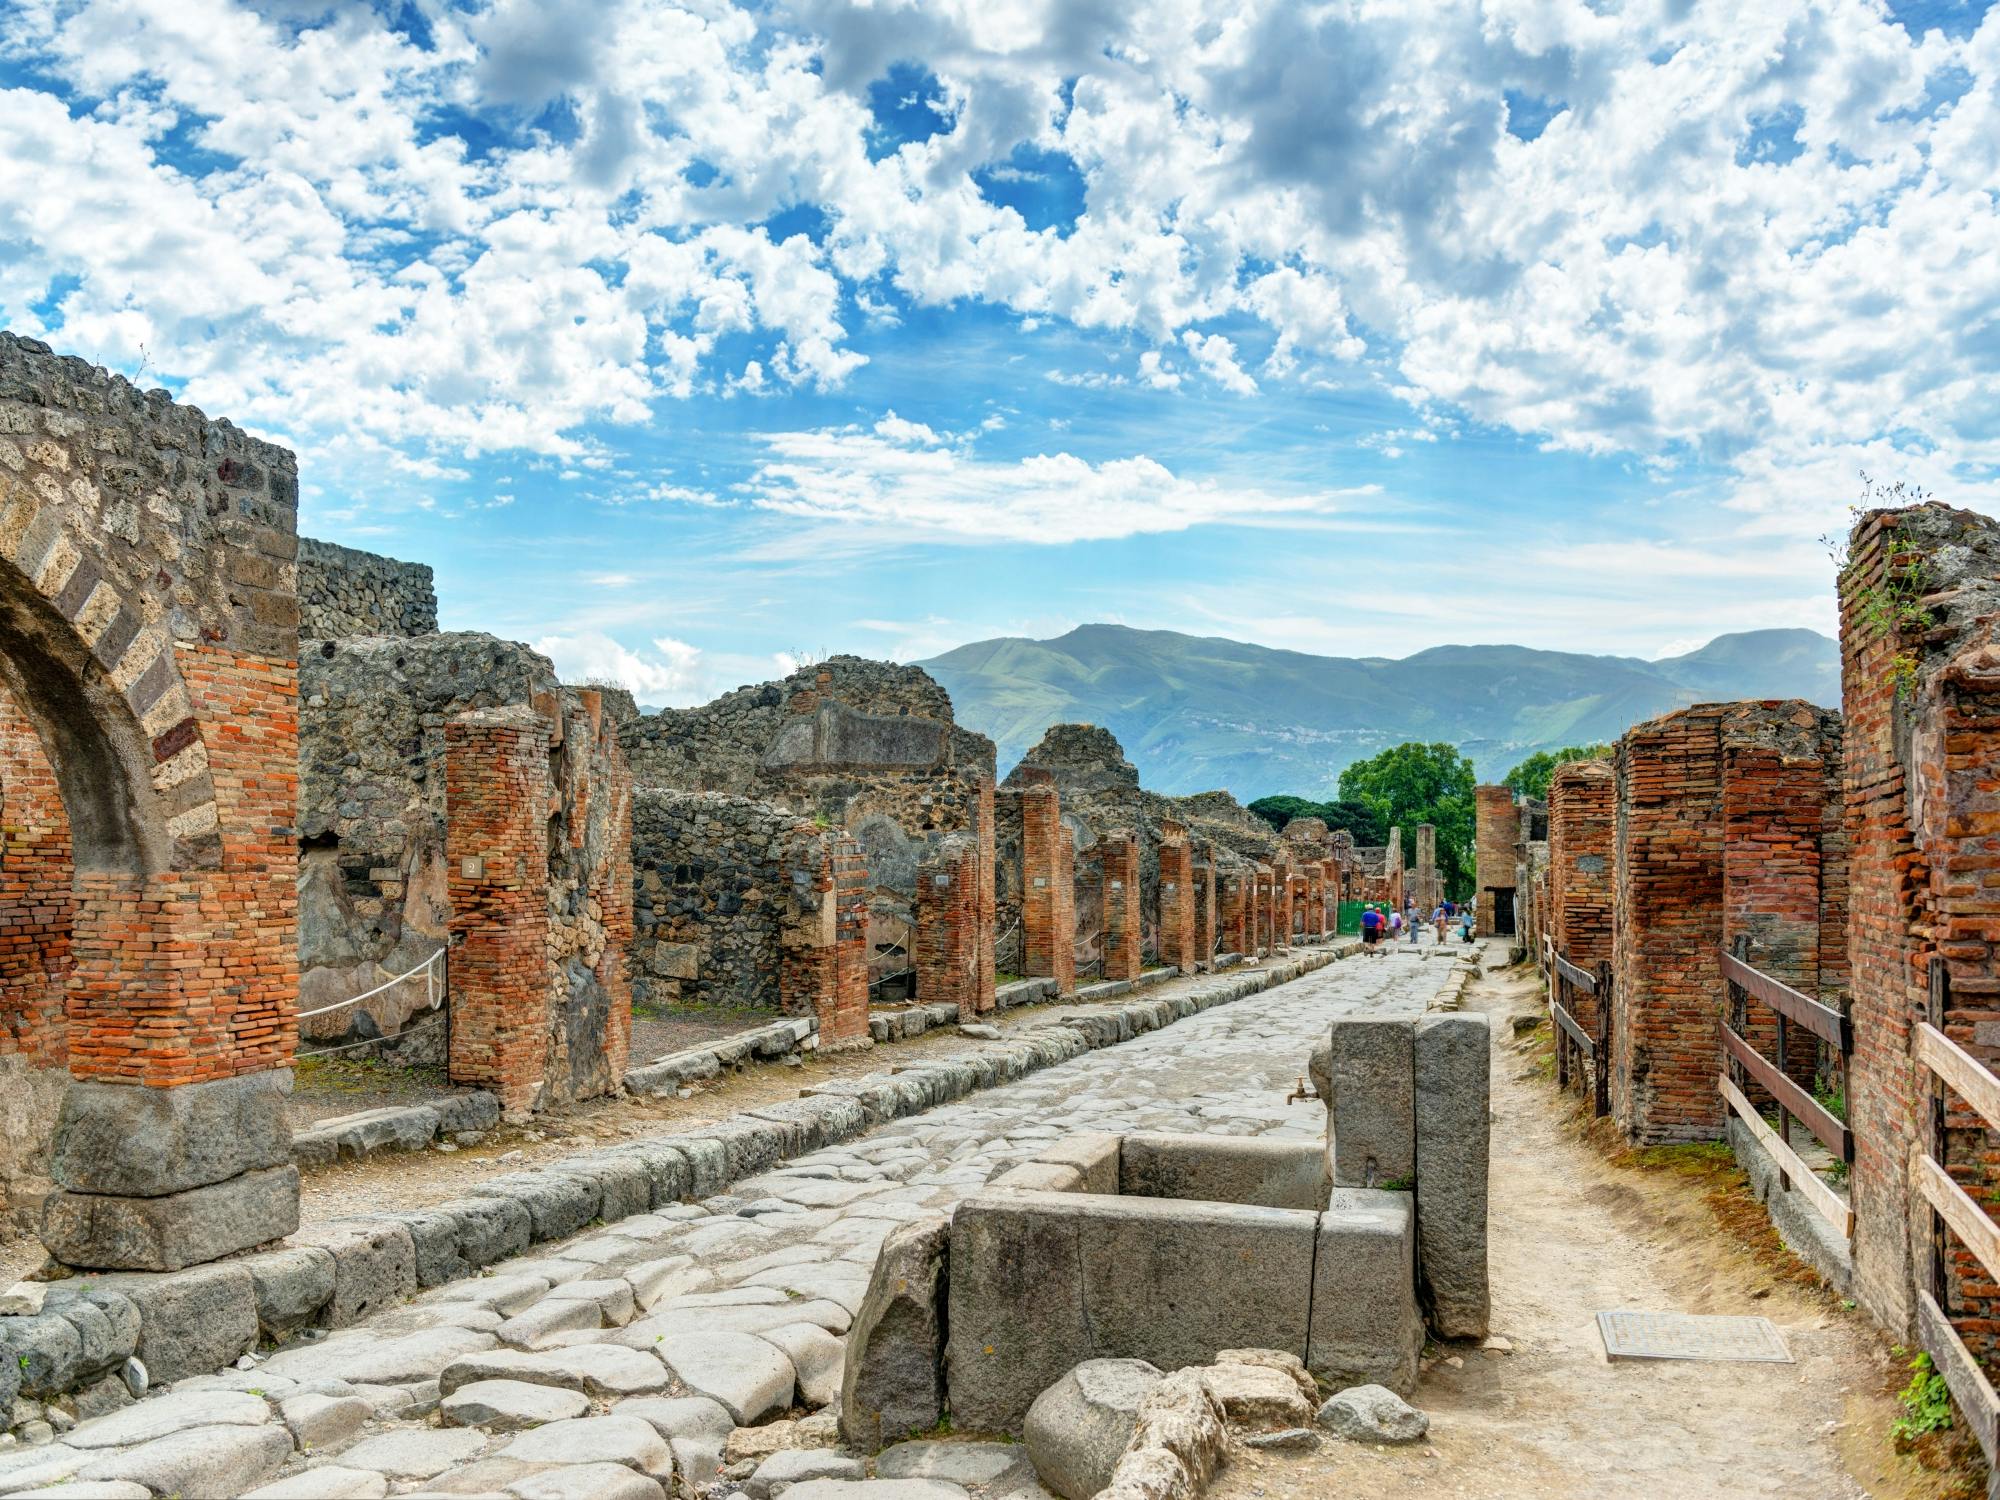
687,338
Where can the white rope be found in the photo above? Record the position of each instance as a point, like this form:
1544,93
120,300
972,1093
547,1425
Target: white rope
376,1041
387,984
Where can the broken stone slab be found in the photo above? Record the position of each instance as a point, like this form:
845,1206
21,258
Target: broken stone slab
174,1230
198,1461
747,1375
892,1381
510,1405
558,1204
125,1141
1078,1429
1094,1156
416,1453
1367,1077
876,1489
1453,1120
365,1360
1178,1442
695,1428
587,1440
406,1127
475,1109
541,1324
1373,1414
1258,1396
506,1294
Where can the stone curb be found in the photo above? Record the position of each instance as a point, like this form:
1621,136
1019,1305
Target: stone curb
407,1127
793,1036
341,1271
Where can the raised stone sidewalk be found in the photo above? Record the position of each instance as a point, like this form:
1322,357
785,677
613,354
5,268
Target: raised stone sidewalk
671,1339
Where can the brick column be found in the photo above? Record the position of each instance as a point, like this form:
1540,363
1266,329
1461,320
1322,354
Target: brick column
1118,863
1048,889
497,871
1266,911
1496,826
949,954
1582,811
1204,911
1177,936
1235,895
823,935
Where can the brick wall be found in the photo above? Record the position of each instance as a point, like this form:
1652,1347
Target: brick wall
1205,914
1176,921
1048,888
35,898
952,930
823,961
1236,901
1267,910
497,861
1496,829
1117,856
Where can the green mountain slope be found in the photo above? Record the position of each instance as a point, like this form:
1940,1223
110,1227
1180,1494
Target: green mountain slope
1196,712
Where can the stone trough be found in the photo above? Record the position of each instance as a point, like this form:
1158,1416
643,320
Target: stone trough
1173,1248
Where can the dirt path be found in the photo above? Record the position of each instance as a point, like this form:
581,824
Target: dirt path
1573,1233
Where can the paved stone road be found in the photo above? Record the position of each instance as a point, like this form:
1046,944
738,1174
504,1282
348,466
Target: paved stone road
607,1363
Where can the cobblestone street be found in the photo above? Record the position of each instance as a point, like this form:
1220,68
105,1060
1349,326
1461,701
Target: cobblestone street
605,1364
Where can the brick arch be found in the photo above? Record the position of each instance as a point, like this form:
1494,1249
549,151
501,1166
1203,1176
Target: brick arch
106,696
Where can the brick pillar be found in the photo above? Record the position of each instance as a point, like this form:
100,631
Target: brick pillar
1048,889
1496,826
1582,811
1429,892
1266,910
611,889
986,979
1316,900
1235,895
1177,935
36,903
1668,905
1204,912
823,935
1118,863
1281,903
949,954
497,871
1781,769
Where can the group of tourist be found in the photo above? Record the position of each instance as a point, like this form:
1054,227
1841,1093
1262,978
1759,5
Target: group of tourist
1378,922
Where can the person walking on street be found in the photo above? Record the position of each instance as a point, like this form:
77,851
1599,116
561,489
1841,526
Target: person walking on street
1371,926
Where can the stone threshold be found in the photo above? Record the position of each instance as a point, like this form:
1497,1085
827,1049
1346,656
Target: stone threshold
339,1272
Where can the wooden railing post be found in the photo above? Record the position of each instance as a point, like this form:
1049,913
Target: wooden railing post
1601,1106
1562,1036
1937,1001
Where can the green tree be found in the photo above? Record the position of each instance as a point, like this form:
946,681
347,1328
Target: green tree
1531,777
1415,783
1357,818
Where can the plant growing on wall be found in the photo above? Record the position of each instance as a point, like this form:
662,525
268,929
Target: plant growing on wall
1894,606
1531,777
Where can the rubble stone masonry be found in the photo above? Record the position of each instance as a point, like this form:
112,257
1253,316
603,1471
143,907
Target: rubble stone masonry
343,592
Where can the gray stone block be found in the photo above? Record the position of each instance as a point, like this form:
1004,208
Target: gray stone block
749,1146
193,1321
1453,1129
291,1287
374,1266
165,1233
708,1164
1095,1157
1803,1228
666,1169
1369,1082
1077,1429
99,1338
1225,1169
892,1383
820,1121
477,1110
45,1351
558,1204
489,1229
624,1185
124,1140
198,1461
1041,1282
1366,1328
434,1237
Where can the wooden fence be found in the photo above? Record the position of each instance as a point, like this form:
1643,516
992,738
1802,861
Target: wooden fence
1574,1043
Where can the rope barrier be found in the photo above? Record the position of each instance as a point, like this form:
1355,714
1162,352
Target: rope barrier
387,984
376,1041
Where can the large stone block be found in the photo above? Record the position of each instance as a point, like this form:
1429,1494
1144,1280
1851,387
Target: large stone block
1225,1169
165,1233
1367,1075
1453,1132
192,1322
892,1384
1041,1282
291,1288
374,1266
124,1140
489,1229
1078,1428
1365,1324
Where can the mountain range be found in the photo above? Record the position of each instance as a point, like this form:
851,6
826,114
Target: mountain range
1196,713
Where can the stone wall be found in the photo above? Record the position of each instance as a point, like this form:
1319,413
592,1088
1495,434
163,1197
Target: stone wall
735,901
343,592
868,746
